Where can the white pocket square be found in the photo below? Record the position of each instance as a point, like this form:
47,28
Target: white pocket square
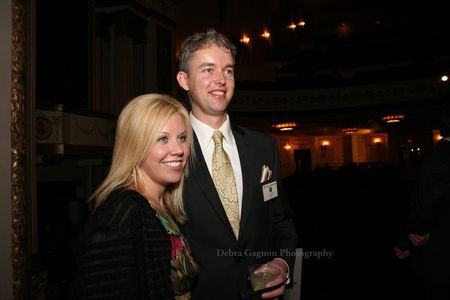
266,173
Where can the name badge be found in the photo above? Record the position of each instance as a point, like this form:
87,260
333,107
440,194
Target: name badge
270,191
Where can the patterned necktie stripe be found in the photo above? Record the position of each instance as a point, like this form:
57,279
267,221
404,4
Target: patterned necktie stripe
223,177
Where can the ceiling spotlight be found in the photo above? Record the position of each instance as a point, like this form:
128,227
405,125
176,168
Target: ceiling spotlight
245,39
266,34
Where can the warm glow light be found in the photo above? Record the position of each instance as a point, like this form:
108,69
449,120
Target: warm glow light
393,118
437,135
377,140
349,130
302,23
325,143
292,26
287,147
344,30
266,34
444,78
245,39
285,126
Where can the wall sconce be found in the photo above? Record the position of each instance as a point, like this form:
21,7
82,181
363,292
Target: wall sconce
285,126
323,147
377,141
393,118
287,147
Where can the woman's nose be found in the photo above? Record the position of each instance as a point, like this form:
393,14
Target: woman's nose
177,148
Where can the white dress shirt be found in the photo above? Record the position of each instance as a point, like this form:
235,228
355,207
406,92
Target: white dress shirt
204,134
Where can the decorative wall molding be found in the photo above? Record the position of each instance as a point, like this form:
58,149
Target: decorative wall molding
312,99
56,129
18,225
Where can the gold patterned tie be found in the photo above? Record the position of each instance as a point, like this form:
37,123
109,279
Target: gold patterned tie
223,177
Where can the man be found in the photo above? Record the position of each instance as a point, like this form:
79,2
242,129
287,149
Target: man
427,237
226,241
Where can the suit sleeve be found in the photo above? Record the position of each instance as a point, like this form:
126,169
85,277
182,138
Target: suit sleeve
284,233
430,195
428,198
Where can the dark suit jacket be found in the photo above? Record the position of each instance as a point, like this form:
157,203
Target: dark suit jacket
266,228
431,213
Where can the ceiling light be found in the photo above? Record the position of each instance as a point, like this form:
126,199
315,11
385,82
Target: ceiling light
266,34
285,126
349,130
245,39
393,118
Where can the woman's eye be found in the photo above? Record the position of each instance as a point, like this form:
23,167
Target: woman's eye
162,139
182,138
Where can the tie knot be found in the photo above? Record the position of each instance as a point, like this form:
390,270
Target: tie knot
217,137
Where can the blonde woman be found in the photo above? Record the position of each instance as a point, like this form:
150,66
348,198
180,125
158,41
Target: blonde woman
131,247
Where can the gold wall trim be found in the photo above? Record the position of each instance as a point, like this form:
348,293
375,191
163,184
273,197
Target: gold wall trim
18,224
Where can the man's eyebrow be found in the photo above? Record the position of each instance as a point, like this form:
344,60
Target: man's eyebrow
206,64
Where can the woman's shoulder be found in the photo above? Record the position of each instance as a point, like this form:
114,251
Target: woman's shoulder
123,201
122,210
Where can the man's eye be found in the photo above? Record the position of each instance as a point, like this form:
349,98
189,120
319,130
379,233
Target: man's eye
208,70
229,71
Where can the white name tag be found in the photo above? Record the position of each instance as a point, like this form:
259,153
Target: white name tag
270,191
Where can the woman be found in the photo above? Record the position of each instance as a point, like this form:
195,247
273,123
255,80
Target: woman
131,247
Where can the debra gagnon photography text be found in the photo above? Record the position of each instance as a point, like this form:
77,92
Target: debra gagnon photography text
315,254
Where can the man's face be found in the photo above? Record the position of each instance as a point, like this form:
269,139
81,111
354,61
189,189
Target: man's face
210,81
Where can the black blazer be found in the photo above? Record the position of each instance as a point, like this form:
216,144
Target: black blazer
431,213
266,227
123,252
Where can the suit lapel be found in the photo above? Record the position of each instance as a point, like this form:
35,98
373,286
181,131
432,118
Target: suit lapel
246,159
204,181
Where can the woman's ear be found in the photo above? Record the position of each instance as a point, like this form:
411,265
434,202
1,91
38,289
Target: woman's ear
182,79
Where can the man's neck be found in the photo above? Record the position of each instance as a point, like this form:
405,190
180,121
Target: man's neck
213,121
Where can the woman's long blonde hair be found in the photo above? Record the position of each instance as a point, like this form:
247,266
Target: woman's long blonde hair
138,127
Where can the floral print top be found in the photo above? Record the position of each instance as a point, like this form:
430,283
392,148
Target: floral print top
183,266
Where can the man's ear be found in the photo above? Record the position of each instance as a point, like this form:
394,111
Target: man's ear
182,79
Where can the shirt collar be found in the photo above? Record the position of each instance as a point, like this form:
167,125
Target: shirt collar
204,132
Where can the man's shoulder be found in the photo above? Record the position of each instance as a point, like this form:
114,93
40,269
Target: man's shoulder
252,134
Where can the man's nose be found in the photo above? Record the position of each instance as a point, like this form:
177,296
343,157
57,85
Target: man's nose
220,78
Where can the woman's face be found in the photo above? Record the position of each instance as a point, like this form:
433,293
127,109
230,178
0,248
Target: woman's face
166,159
